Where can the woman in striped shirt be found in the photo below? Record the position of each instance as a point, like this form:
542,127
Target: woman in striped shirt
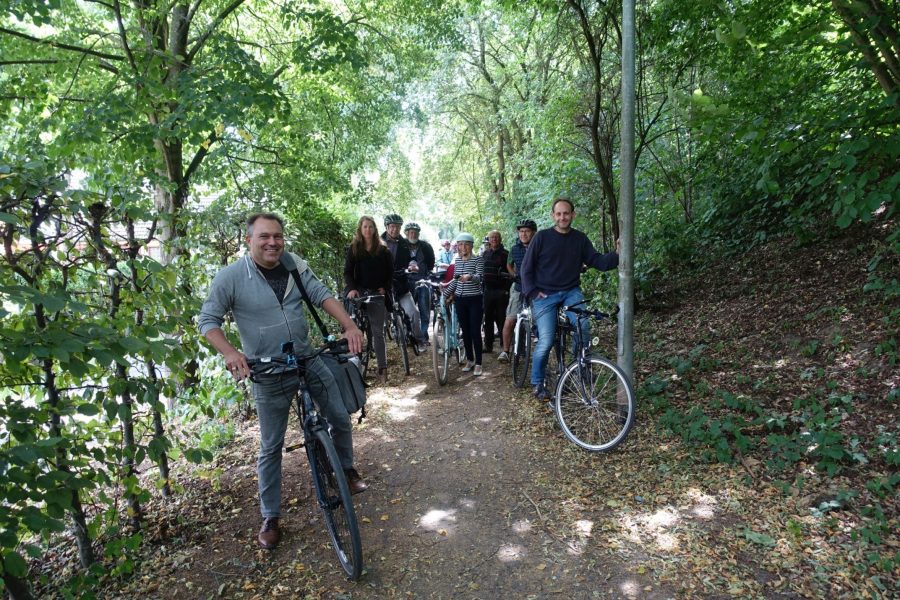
468,271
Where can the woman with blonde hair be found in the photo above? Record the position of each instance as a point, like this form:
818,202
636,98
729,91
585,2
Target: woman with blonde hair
369,270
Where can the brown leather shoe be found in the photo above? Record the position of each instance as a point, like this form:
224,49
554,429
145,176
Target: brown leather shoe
355,482
269,533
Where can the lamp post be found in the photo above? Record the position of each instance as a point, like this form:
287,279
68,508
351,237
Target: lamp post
625,356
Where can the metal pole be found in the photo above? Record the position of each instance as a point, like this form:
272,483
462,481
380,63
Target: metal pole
626,197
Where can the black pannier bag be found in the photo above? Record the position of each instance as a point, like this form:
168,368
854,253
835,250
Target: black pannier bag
344,367
347,374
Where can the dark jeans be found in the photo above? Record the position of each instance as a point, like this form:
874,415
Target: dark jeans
495,302
470,311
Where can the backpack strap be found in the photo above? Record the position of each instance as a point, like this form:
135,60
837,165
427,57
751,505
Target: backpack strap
296,275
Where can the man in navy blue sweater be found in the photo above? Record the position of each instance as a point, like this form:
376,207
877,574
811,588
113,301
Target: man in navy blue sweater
551,277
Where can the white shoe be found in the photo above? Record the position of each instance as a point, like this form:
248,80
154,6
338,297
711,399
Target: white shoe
477,370
469,366
503,357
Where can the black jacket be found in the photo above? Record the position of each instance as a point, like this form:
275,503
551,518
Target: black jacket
495,273
424,258
401,261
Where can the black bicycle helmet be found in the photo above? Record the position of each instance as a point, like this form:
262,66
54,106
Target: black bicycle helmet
411,225
527,223
393,219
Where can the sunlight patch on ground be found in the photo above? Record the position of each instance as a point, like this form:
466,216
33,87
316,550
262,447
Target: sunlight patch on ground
441,521
704,505
630,588
522,527
583,529
400,409
485,419
383,436
654,525
467,503
511,552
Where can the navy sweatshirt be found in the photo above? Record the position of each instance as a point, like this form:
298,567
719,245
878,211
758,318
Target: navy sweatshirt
553,261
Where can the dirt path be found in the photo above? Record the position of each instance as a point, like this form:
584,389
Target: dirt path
463,503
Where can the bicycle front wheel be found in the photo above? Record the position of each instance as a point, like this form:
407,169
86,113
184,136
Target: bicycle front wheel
400,338
521,353
594,404
333,494
440,352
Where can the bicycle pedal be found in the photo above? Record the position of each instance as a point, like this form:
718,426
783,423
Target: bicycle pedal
293,447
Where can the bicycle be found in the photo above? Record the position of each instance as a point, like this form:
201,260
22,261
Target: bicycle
593,401
356,308
521,346
400,330
329,481
447,340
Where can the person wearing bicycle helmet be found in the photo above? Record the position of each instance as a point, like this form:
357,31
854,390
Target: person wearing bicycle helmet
259,291
420,265
496,289
551,277
399,248
525,230
468,272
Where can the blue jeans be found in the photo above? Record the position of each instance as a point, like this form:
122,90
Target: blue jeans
543,312
422,296
274,395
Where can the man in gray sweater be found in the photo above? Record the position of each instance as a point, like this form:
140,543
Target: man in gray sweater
259,291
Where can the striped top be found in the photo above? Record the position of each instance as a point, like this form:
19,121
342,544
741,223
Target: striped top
474,266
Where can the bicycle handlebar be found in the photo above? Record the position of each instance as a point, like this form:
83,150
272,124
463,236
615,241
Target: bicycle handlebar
338,346
597,314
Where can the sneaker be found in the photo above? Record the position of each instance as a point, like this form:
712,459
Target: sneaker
269,533
541,393
477,370
503,357
469,366
382,376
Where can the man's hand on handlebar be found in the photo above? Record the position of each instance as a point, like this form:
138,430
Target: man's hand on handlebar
236,363
354,339
352,294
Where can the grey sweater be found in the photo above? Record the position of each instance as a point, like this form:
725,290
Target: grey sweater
263,323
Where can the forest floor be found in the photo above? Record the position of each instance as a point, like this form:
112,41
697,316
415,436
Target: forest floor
475,493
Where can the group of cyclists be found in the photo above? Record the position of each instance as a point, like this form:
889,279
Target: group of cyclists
264,292
488,288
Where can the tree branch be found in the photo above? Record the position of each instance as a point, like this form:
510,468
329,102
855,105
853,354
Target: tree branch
212,27
60,45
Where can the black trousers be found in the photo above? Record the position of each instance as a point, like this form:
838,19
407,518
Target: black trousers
469,310
495,302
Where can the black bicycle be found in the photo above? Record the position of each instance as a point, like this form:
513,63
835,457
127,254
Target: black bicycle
332,490
593,400
356,308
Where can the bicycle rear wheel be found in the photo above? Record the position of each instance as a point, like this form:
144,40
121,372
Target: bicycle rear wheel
400,337
335,501
440,352
594,404
521,355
